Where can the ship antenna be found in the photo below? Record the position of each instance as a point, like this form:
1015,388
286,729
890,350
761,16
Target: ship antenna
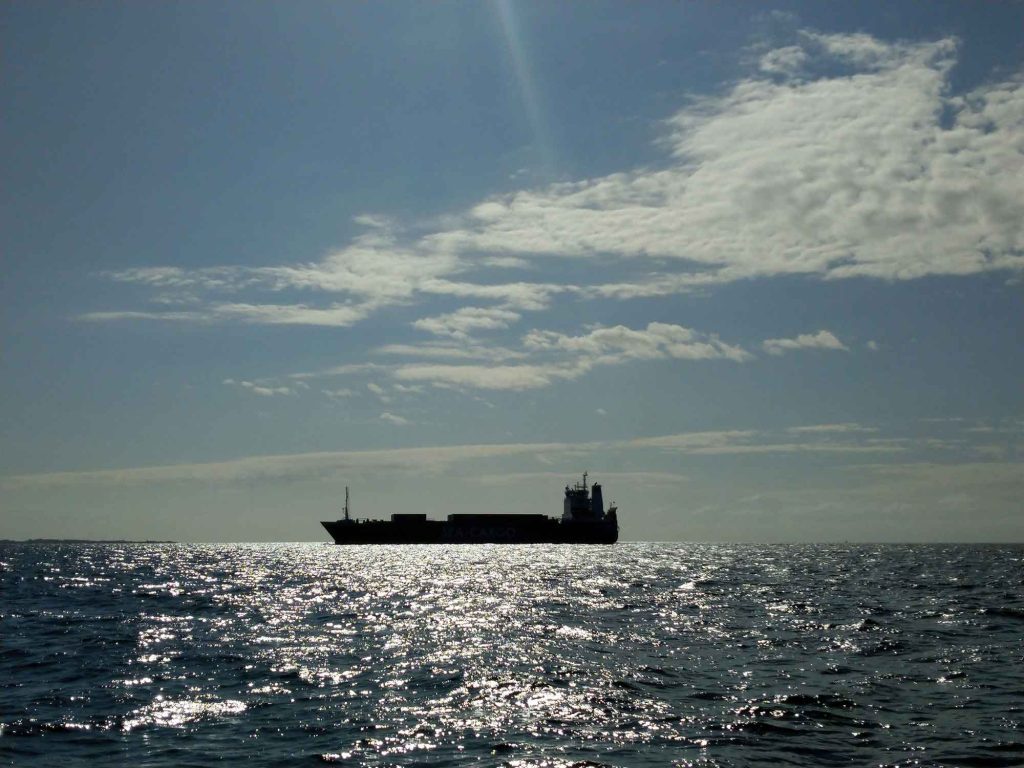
346,502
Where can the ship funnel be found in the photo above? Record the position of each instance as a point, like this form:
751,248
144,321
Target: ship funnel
596,501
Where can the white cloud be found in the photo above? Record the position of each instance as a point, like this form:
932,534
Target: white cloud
867,52
695,441
738,442
819,340
955,477
842,156
619,479
836,176
373,221
340,392
345,369
463,322
618,344
182,317
819,428
506,262
437,458
784,61
291,466
260,389
380,392
336,315
520,295
433,350
176,278
574,356
509,377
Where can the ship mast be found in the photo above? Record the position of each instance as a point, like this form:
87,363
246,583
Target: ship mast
346,503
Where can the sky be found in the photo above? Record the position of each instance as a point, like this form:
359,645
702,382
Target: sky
757,268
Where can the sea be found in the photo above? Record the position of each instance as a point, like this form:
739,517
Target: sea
637,654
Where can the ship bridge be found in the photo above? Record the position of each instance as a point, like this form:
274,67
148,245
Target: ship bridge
583,502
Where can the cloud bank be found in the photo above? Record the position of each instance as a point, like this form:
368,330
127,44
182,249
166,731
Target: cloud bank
841,156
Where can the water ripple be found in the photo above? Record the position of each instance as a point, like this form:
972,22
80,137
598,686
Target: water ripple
632,655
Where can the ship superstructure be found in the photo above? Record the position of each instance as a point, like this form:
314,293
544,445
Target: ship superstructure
584,521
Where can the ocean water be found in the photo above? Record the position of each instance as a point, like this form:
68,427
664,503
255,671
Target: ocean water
631,655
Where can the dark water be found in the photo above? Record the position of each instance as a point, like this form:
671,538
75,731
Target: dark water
632,655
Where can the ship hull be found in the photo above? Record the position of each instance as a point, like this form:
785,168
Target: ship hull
474,529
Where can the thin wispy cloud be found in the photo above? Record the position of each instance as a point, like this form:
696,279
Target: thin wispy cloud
603,346
461,350
340,392
380,392
439,458
845,427
334,315
462,323
495,377
289,467
555,357
738,442
259,389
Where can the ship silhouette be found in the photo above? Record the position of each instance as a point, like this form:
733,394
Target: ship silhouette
583,521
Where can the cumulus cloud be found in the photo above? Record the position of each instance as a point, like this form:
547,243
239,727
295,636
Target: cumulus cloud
391,418
788,60
819,340
834,176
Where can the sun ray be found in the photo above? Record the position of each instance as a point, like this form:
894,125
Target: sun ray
529,93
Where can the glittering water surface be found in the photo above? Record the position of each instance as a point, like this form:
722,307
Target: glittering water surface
631,655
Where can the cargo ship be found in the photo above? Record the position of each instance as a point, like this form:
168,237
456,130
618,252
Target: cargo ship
584,520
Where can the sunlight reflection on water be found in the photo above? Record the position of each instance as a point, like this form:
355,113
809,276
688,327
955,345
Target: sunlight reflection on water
638,654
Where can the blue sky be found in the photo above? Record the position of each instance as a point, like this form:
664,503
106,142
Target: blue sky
756,268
